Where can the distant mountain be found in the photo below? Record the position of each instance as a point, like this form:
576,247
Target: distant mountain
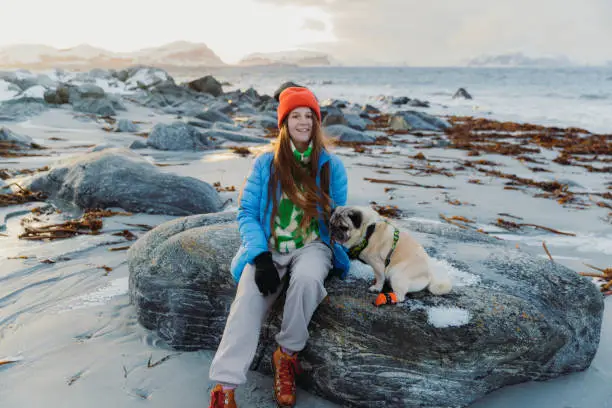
518,59
34,56
300,58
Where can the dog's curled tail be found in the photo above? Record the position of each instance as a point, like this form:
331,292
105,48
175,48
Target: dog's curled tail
440,283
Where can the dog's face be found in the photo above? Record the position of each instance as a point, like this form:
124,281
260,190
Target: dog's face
348,224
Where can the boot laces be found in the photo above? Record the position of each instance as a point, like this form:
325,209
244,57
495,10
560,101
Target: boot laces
289,367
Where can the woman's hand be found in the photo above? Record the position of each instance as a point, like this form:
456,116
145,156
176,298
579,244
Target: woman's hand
266,275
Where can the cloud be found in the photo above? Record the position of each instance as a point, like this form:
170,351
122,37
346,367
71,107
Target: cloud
312,24
446,32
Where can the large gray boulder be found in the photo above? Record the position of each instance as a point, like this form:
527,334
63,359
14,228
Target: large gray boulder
511,317
120,178
178,136
414,120
21,109
344,133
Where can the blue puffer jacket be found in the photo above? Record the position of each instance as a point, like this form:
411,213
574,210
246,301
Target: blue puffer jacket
256,209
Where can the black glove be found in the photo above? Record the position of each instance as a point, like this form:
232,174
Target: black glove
266,275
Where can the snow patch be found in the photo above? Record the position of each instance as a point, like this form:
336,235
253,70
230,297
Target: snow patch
447,316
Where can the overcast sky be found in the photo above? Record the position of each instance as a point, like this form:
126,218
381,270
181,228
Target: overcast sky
416,32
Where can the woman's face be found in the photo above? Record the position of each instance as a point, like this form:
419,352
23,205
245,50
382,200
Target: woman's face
300,122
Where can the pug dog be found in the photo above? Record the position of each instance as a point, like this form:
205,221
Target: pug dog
398,260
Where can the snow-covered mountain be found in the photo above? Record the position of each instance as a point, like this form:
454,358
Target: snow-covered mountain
34,56
518,59
301,58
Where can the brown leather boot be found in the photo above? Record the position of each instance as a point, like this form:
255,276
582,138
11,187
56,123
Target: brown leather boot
222,399
284,367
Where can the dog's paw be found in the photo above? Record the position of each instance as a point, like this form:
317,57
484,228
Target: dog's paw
375,288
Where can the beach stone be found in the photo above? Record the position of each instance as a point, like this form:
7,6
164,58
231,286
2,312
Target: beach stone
207,84
417,103
462,93
216,134
120,178
400,100
270,105
25,79
213,115
20,109
369,110
356,122
414,120
511,317
168,96
332,116
344,133
335,103
178,136
144,77
7,135
200,124
138,144
126,125
263,121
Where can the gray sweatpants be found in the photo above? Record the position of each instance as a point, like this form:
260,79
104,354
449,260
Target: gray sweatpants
309,267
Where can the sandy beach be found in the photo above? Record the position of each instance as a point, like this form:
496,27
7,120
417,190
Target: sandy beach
69,336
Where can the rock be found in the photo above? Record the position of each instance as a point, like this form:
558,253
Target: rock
87,98
200,124
262,121
8,90
284,86
178,136
227,126
336,103
58,96
213,115
414,120
344,133
216,134
462,93
356,122
332,116
225,107
137,144
207,84
368,111
511,317
401,100
169,95
24,79
21,109
120,178
416,103
8,136
36,92
126,125
143,77
270,105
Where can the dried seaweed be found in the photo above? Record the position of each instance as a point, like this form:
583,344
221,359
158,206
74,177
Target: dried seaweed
21,196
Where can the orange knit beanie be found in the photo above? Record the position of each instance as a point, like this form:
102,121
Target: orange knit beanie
295,97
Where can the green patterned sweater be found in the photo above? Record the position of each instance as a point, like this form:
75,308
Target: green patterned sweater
289,236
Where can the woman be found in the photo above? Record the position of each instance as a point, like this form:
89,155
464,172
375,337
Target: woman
283,218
